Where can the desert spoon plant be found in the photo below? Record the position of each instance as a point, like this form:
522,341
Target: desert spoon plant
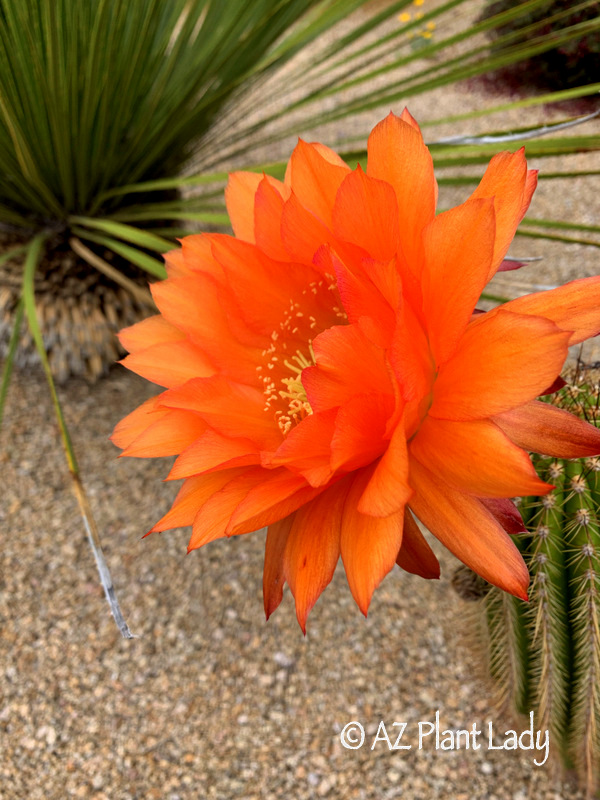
545,655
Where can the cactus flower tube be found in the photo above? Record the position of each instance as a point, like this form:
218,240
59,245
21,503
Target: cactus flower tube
325,376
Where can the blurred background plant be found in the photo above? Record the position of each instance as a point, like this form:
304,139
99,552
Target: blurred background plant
95,97
544,656
119,122
418,38
568,64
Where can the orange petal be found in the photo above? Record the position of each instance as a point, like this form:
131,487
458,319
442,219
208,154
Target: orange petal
130,427
413,366
415,555
347,362
301,232
359,431
306,449
573,307
469,531
315,174
366,215
234,410
407,117
268,208
476,457
179,300
213,517
507,181
368,545
275,498
170,364
273,578
263,288
175,264
398,155
388,489
360,295
152,430
386,277
543,428
530,186
313,548
239,199
325,152
211,452
458,247
193,494
185,506
506,513
169,435
150,331
503,360
198,256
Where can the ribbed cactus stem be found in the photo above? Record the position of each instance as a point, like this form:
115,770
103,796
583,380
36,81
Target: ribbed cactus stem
545,655
508,648
583,540
547,612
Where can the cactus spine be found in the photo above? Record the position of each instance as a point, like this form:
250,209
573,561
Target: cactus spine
545,655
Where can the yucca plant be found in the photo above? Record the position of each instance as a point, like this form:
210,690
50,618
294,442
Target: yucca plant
94,97
118,121
544,656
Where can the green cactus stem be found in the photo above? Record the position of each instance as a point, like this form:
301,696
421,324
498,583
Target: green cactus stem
544,655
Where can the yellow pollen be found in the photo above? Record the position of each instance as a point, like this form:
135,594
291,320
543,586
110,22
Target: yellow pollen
293,392
281,372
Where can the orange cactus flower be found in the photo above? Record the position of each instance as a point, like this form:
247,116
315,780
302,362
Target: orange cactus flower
325,375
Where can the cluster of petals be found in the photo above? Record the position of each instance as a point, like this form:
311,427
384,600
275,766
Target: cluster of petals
326,374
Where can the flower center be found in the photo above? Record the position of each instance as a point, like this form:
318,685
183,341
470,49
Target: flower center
295,393
290,351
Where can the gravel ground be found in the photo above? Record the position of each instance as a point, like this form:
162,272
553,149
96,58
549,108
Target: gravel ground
210,701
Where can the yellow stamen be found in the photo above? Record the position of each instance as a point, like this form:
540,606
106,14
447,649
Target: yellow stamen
295,393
